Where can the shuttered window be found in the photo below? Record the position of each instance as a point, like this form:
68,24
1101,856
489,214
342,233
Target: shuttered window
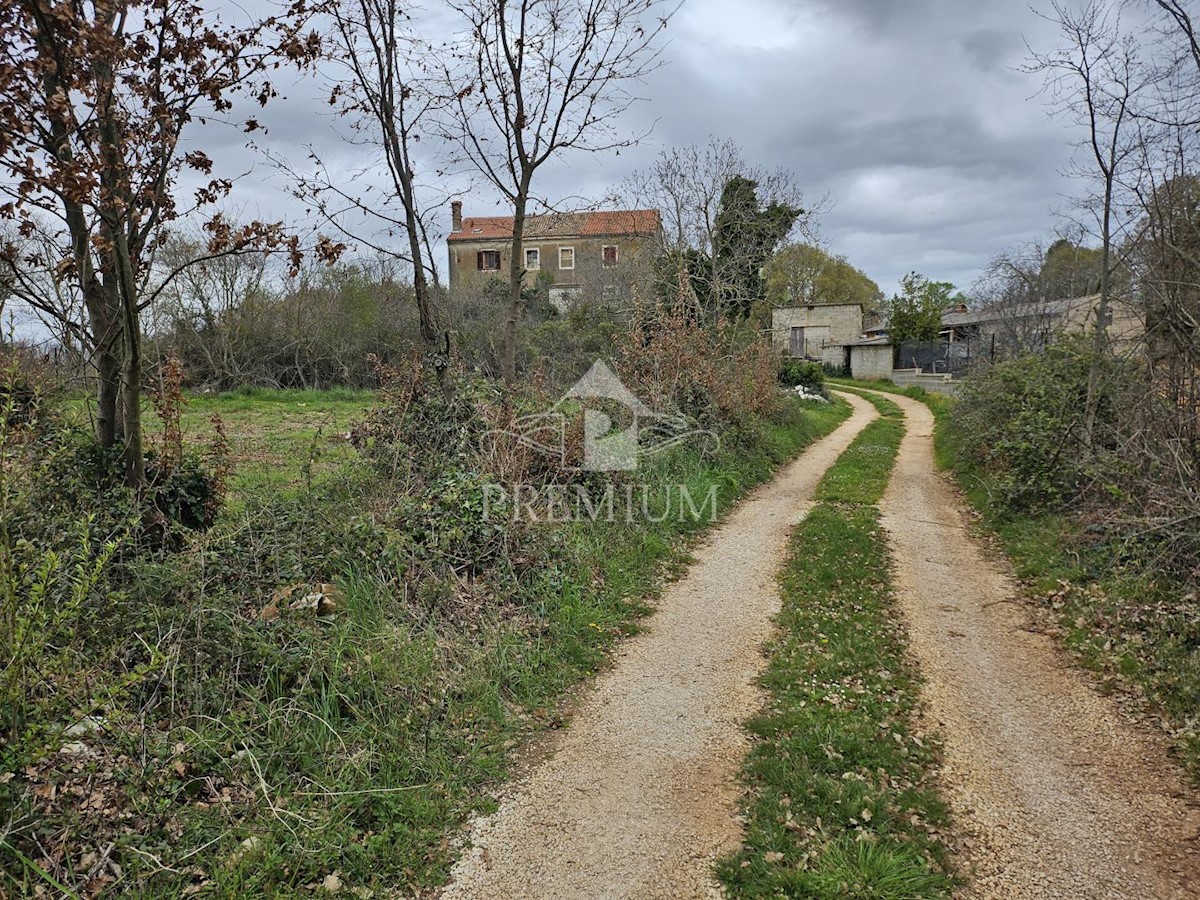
488,260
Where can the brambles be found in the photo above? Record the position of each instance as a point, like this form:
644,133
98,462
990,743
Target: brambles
718,374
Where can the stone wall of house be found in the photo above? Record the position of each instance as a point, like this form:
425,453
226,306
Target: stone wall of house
835,356
1126,326
1010,333
588,265
824,324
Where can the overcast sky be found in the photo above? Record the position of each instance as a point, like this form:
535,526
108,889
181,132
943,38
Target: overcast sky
913,117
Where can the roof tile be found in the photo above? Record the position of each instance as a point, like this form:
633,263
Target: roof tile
618,222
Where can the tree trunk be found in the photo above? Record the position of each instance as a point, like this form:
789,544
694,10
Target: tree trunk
1100,334
131,367
131,409
516,271
117,263
108,376
438,356
106,356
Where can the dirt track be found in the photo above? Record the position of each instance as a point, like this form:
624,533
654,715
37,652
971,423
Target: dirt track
1057,795
638,796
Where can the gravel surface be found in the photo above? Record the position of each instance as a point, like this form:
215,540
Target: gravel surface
1055,794
639,794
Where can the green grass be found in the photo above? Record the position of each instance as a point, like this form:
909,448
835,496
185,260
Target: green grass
357,744
940,404
841,803
279,440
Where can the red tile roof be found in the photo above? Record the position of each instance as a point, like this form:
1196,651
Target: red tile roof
610,223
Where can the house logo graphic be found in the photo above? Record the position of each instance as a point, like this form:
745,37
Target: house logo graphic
618,428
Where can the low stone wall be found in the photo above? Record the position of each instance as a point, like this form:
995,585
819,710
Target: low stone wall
937,384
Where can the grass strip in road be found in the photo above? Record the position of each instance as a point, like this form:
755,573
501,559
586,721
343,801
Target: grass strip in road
939,405
840,798
1119,617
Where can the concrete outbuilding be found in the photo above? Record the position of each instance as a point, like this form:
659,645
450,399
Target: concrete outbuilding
817,330
870,359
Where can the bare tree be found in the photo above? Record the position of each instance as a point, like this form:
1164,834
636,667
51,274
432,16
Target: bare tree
1180,25
534,78
687,185
388,96
51,302
98,97
1095,79
206,313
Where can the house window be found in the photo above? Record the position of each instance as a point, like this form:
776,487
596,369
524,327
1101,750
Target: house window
488,260
566,257
797,347
533,259
610,256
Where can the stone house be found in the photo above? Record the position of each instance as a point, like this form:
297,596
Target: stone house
571,250
818,331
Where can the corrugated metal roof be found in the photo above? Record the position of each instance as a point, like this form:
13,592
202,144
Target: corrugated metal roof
1014,311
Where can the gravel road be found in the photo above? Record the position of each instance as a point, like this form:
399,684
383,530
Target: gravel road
639,793
1056,794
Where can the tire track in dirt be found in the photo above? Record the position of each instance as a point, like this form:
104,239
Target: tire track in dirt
1055,794
639,794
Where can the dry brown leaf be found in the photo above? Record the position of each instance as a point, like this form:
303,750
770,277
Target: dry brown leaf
332,883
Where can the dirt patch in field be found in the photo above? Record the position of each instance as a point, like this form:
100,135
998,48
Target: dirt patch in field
639,796
1056,795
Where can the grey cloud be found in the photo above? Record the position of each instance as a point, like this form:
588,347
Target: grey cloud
992,49
911,116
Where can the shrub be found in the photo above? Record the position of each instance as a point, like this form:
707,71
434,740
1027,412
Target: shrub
451,525
186,493
796,372
20,399
1024,422
718,374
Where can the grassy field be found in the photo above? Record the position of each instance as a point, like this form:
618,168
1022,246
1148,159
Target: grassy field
840,800
279,440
